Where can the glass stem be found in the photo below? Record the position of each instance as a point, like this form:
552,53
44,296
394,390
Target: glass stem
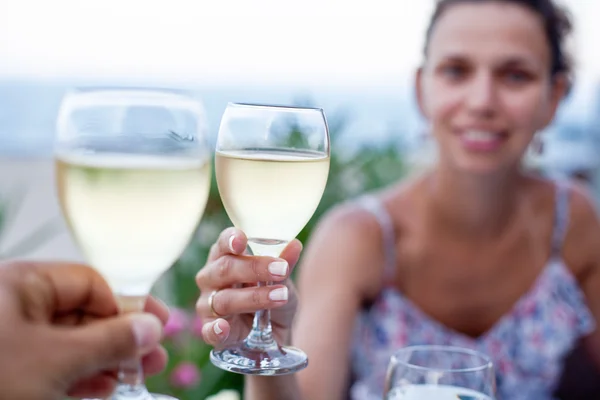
261,335
131,374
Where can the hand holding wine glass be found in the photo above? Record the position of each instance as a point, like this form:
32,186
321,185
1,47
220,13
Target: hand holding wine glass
61,331
272,164
228,263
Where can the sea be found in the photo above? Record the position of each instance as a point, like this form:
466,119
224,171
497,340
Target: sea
369,114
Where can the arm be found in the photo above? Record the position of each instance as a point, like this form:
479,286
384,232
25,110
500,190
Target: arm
582,250
272,388
338,272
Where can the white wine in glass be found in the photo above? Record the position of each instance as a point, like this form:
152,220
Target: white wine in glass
271,194
272,164
437,392
441,373
132,215
133,177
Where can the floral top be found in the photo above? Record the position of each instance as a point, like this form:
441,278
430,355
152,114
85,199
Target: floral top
527,345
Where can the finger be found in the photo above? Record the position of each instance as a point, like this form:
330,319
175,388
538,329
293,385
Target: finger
80,287
215,332
291,253
153,306
155,362
230,270
102,344
64,287
103,384
230,241
157,307
243,301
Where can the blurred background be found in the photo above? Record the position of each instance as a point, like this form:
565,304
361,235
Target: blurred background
354,59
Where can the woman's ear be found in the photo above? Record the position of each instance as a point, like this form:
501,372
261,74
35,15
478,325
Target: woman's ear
561,85
419,91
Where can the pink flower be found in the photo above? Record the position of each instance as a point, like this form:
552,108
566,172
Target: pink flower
196,327
177,323
185,375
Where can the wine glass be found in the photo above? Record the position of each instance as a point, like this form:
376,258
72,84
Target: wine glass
441,373
272,164
133,175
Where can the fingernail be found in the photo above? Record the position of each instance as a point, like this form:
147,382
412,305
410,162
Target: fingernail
147,330
217,328
279,268
231,243
280,294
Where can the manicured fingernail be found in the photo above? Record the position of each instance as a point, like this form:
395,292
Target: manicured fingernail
231,243
147,330
217,328
280,294
279,268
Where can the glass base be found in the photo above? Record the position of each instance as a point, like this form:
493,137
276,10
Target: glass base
147,396
241,359
153,396
141,396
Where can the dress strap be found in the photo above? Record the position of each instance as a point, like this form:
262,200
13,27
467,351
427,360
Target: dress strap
561,217
373,205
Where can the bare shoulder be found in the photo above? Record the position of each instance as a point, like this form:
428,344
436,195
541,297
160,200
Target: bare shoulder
583,207
351,237
346,246
582,243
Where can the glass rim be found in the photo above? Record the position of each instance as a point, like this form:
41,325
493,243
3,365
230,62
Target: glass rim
273,106
129,88
486,361
124,94
119,96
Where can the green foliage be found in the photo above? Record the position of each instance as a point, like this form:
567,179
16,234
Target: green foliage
352,173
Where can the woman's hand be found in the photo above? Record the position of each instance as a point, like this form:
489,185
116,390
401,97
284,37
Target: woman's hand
231,276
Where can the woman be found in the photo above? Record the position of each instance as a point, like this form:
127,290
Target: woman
475,253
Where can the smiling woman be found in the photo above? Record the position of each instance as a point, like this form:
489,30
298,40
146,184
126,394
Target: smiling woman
507,75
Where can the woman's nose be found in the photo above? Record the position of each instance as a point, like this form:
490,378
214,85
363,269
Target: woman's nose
481,95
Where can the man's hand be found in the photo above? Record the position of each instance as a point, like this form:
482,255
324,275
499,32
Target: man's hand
61,334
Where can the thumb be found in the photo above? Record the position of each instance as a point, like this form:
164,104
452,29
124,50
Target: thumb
104,343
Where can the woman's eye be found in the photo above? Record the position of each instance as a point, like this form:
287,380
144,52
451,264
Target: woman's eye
454,71
517,76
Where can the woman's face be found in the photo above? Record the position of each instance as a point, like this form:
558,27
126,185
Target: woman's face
486,87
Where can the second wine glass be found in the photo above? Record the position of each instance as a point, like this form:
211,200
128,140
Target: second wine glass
272,164
133,178
439,372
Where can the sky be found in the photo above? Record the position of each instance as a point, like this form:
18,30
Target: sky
233,41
